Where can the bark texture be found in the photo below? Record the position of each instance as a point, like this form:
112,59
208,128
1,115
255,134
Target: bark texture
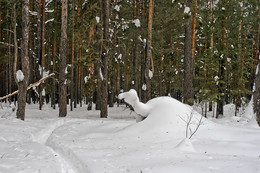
256,96
188,63
104,58
149,51
22,85
63,53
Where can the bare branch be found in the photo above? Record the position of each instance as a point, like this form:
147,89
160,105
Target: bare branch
198,125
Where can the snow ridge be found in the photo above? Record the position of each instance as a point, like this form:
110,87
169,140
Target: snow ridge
70,163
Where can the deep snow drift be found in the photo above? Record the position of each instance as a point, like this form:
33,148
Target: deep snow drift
164,115
83,143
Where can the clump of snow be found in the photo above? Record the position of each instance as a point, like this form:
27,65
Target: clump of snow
86,78
119,56
101,74
43,92
137,23
66,70
97,19
19,76
132,98
187,10
117,8
144,87
50,20
150,74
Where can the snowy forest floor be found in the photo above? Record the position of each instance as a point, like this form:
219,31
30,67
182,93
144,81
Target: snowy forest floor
84,143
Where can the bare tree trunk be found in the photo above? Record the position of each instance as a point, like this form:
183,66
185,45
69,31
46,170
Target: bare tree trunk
220,99
104,58
188,63
54,52
63,54
22,84
149,51
72,58
0,21
256,93
39,46
194,21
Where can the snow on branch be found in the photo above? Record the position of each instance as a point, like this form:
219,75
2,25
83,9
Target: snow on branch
30,86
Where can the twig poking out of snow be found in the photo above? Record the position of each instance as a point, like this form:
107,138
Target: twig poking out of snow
19,76
189,121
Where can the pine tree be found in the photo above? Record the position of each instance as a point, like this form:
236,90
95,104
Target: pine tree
23,81
63,54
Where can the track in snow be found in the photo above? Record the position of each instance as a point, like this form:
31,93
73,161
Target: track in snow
69,162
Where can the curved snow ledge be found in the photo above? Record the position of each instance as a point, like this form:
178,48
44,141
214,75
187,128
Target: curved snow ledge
42,136
78,165
70,163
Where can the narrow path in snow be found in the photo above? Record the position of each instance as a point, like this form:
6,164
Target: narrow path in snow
68,160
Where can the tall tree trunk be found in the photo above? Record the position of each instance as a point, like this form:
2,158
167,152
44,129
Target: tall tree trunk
256,93
9,65
22,85
40,46
79,66
211,39
0,20
194,21
15,44
104,58
220,99
136,66
72,57
63,54
188,62
149,51
54,52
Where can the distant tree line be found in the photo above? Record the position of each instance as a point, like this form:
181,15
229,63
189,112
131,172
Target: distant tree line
195,51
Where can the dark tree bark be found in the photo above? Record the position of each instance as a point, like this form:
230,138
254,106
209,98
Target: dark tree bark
221,89
0,21
256,93
22,85
63,54
188,63
72,57
104,58
40,46
149,51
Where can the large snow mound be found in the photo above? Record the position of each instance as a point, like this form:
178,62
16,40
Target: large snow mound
164,115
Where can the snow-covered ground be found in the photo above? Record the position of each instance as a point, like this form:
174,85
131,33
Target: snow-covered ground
84,143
